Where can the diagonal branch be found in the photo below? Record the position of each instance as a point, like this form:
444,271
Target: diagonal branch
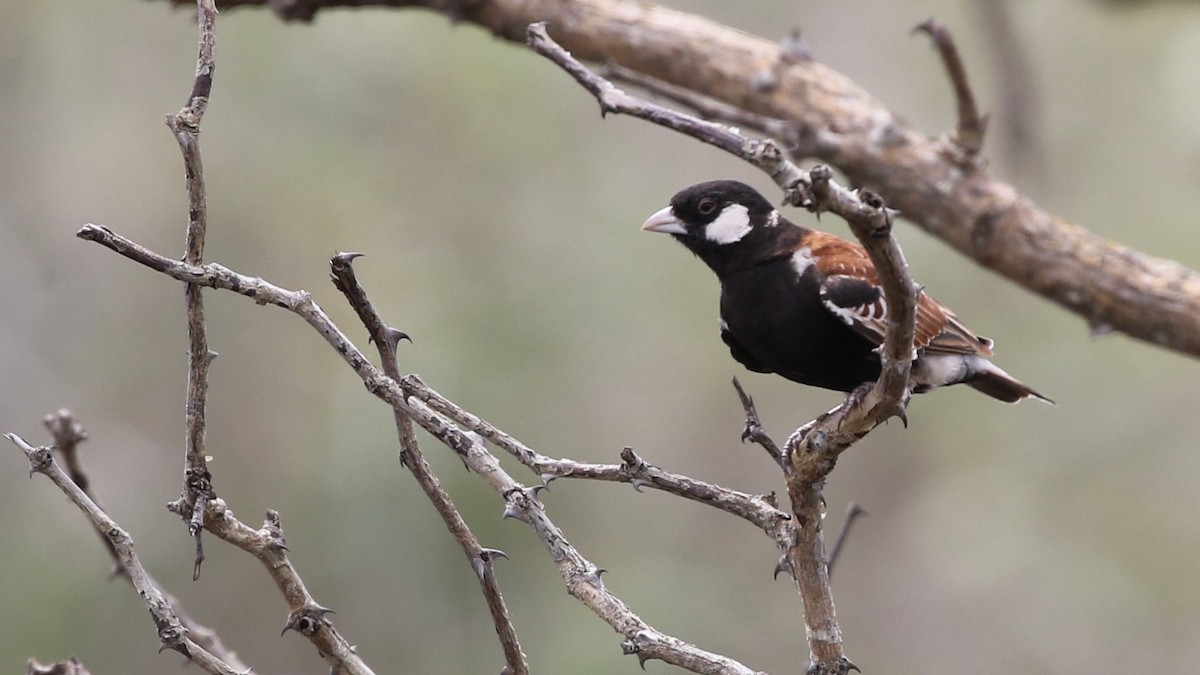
305,615
171,632
968,135
385,338
582,576
67,433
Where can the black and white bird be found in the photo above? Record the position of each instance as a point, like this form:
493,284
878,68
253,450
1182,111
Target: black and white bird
808,305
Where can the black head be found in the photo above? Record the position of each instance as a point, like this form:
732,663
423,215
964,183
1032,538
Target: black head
716,219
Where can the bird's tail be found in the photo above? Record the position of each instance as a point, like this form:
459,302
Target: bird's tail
993,381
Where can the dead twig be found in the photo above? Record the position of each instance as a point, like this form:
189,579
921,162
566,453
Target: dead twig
386,338
172,634
968,135
185,124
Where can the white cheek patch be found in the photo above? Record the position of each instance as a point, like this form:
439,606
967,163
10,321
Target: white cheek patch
802,260
730,226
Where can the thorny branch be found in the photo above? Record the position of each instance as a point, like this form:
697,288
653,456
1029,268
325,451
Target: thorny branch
185,124
171,632
409,396
968,135
67,433
305,616
582,577
482,559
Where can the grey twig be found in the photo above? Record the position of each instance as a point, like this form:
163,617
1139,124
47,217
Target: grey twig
185,124
762,153
305,615
581,576
67,433
968,135
853,513
709,108
481,559
172,634
754,430
761,511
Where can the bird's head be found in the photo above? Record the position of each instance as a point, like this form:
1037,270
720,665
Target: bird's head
716,219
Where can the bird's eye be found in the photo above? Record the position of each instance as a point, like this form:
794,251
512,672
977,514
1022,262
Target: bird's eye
707,206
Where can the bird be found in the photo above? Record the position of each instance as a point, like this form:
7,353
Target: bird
808,305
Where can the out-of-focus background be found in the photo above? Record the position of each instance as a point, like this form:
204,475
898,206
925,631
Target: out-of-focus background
500,216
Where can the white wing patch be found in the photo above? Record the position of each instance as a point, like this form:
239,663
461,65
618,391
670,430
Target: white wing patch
773,218
869,318
730,226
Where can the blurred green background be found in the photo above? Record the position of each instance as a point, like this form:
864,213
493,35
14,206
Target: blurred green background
500,217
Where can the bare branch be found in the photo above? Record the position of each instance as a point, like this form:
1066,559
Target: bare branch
754,430
306,616
759,510
67,433
481,559
764,154
185,124
968,136
582,577
171,632
708,108
853,513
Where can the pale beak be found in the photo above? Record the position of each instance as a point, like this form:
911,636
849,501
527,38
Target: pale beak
664,221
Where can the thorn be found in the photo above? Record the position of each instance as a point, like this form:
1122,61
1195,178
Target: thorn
782,566
493,553
395,336
347,256
593,577
637,484
793,48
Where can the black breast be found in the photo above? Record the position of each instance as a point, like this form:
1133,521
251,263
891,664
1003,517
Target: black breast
777,318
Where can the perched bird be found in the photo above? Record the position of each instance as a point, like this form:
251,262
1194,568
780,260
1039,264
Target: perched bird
808,305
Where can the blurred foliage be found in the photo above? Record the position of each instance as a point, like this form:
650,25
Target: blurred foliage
499,214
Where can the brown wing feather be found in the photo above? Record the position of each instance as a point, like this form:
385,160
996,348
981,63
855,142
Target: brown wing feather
937,329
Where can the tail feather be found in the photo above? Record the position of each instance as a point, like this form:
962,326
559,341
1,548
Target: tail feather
1000,385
